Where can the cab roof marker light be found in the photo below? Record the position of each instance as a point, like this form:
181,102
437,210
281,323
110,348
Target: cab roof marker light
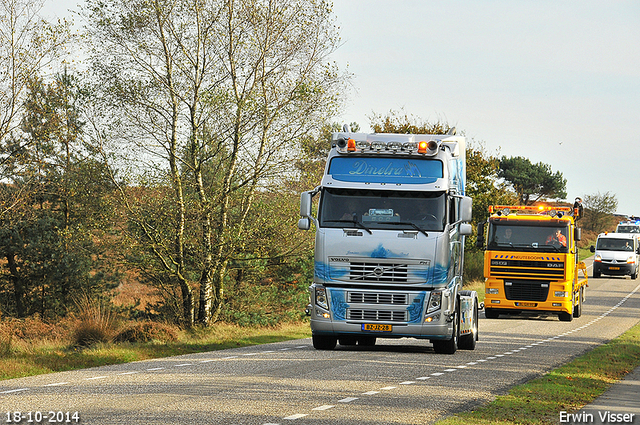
351,145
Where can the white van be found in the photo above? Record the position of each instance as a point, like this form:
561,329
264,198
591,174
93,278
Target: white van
629,227
616,254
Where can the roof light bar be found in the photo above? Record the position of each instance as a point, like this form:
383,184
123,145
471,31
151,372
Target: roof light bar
506,209
424,147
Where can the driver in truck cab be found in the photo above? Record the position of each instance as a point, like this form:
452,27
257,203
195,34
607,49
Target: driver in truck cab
557,238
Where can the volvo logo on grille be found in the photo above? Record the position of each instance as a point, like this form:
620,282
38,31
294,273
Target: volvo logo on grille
378,271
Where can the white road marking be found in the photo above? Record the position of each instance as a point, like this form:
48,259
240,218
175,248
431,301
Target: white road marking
14,391
371,393
324,407
347,400
407,382
296,416
156,368
388,388
95,377
57,384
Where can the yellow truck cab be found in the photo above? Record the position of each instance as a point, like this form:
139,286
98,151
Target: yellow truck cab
531,261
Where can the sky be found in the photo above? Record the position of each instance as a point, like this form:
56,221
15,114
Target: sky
554,81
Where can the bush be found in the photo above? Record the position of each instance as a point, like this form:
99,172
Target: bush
96,322
147,331
473,265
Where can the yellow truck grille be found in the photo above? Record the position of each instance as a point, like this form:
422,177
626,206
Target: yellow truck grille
549,269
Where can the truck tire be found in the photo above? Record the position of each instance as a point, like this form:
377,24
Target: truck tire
490,313
468,342
324,342
577,309
565,317
634,275
450,346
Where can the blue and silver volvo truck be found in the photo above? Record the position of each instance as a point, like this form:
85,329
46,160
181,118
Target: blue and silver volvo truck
389,246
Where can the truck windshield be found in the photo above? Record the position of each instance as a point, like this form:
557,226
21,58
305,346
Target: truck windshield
611,244
523,236
383,209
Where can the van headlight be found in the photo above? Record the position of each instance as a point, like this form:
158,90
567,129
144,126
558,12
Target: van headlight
321,298
435,301
597,258
631,259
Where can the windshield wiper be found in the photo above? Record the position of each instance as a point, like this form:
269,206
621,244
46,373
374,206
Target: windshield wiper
354,221
552,246
415,226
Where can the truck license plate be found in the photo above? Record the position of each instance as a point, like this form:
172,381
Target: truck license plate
614,268
376,327
526,304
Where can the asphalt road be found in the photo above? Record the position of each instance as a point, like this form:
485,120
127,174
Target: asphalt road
395,382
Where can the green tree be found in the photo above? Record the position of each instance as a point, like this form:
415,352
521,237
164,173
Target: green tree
28,45
402,123
48,240
532,182
483,183
210,100
598,211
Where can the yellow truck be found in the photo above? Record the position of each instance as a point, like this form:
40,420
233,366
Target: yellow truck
531,261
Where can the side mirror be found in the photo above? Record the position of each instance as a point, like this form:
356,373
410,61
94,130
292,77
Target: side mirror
592,248
305,204
466,229
480,239
577,236
466,205
304,223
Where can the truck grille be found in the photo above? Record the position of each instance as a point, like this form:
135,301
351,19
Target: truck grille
552,268
378,272
377,315
376,298
526,290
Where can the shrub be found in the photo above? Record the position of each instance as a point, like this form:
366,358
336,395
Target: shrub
147,331
96,322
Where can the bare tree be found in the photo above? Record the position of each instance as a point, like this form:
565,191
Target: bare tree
598,211
28,45
210,97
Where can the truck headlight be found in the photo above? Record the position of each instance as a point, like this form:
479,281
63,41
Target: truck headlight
321,298
493,291
561,294
435,301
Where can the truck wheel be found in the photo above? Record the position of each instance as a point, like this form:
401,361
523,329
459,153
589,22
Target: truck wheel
468,341
324,342
634,275
577,309
490,313
565,317
450,346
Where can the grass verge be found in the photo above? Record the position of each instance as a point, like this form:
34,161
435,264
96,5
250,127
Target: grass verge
567,388
47,357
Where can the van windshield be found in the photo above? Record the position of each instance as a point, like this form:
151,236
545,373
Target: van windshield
611,244
628,229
